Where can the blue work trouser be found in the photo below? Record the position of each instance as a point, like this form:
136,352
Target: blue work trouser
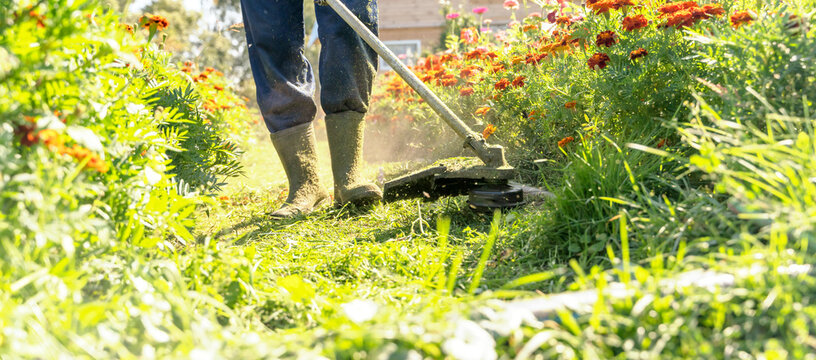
283,77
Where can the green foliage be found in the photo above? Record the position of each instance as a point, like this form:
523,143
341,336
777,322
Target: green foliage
698,157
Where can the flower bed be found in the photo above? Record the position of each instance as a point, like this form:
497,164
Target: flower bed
613,68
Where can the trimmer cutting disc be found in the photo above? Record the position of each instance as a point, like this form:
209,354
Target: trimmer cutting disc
496,197
450,177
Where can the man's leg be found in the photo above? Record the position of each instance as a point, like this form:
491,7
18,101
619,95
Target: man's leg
285,85
347,69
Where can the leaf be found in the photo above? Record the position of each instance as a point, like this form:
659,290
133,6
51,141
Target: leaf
86,138
298,289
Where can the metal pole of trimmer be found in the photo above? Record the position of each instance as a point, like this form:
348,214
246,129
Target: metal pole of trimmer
491,155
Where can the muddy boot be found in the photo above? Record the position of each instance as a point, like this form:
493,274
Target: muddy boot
345,132
296,149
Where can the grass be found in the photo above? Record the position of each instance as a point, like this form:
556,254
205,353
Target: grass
317,276
103,265
392,252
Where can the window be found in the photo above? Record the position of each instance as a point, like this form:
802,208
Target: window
406,50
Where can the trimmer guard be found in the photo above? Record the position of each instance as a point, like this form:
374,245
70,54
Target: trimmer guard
449,177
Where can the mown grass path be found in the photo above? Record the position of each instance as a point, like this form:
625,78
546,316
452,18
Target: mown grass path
390,252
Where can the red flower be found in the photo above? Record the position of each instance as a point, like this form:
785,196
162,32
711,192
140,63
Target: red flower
740,18
502,84
631,23
598,61
606,38
641,52
466,91
519,81
570,105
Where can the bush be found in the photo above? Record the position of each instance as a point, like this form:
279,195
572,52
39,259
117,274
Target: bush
105,145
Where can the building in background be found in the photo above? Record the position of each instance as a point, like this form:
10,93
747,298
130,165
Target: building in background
409,27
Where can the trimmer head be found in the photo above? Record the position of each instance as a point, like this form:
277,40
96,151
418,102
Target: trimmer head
457,176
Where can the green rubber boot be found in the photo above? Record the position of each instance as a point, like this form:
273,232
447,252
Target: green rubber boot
345,133
296,149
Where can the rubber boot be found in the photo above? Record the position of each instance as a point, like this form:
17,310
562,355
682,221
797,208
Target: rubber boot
345,133
296,149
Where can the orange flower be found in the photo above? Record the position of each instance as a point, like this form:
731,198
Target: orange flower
153,21
475,54
502,84
127,28
604,6
713,9
468,71
448,80
81,154
530,27
598,61
570,105
631,23
218,87
674,7
601,7
519,81
50,138
740,18
488,130
209,69
679,19
563,142
466,91
497,68
606,38
564,20
482,110
661,144
641,52
534,59
448,58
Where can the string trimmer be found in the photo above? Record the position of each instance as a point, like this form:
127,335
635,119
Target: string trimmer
485,180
